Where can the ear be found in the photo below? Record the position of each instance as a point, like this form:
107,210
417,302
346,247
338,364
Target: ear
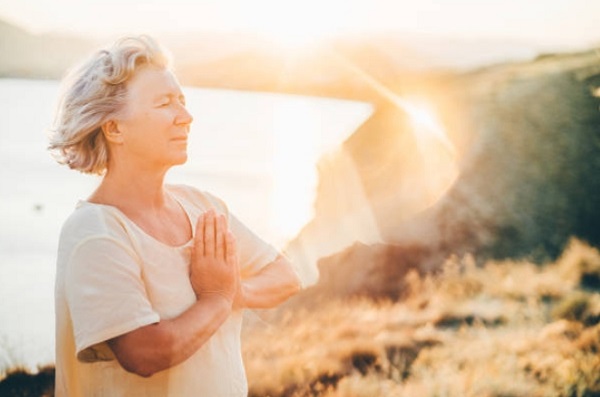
111,132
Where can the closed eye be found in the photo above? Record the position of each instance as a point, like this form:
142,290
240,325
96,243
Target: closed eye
169,100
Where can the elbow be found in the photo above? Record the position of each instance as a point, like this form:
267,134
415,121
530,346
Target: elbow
293,284
140,369
143,365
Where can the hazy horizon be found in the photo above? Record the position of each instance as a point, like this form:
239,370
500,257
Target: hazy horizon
560,24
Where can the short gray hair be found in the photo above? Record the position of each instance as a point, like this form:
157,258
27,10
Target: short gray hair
93,93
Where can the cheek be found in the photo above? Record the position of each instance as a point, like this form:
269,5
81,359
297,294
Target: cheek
159,118
142,122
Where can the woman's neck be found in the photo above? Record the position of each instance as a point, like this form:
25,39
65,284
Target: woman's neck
143,199
131,190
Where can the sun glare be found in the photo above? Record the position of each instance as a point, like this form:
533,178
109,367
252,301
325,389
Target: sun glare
293,41
295,38
425,121
439,167
438,156
294,174
295,26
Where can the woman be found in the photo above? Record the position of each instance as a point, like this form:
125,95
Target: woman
151,278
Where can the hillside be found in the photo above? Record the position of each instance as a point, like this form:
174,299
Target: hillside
27,55
501,329
528,149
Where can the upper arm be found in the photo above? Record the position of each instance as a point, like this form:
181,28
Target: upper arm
105,294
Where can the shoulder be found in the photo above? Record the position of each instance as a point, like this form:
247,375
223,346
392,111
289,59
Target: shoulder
92,226
93,220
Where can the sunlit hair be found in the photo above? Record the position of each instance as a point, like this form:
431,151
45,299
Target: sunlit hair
92,94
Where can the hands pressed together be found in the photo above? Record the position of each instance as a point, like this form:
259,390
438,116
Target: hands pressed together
215,278
214,269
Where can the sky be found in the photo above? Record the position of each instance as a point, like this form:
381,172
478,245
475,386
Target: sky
574,23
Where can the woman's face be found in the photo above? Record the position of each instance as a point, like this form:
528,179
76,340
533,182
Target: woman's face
154,123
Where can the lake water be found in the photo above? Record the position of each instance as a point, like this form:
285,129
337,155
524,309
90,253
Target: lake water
258,151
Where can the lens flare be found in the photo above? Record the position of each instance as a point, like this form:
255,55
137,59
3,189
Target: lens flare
437,152
438,155
348,215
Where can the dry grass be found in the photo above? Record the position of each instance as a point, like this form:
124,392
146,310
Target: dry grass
503,329
506,329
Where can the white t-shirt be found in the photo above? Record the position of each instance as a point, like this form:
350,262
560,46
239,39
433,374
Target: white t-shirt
113,278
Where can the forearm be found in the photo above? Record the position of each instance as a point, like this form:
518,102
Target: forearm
159,346
271,286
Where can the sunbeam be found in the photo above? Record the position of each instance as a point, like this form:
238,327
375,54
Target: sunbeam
345,214
437,152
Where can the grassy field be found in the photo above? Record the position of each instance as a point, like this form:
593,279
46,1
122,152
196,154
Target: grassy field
502,329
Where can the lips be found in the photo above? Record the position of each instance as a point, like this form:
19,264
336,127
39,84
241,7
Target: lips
180,139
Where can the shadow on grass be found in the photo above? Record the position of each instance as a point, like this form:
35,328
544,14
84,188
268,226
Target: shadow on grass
20,383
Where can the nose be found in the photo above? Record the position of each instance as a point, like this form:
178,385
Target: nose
184,117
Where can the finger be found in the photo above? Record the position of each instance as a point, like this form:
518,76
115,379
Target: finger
199,241
209,234
220,237
231,250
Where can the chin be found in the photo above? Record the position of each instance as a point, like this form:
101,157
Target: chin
182,160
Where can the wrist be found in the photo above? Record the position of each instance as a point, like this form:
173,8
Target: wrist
215,298
240,298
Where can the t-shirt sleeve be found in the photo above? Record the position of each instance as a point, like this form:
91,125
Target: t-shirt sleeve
253,252
105,294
